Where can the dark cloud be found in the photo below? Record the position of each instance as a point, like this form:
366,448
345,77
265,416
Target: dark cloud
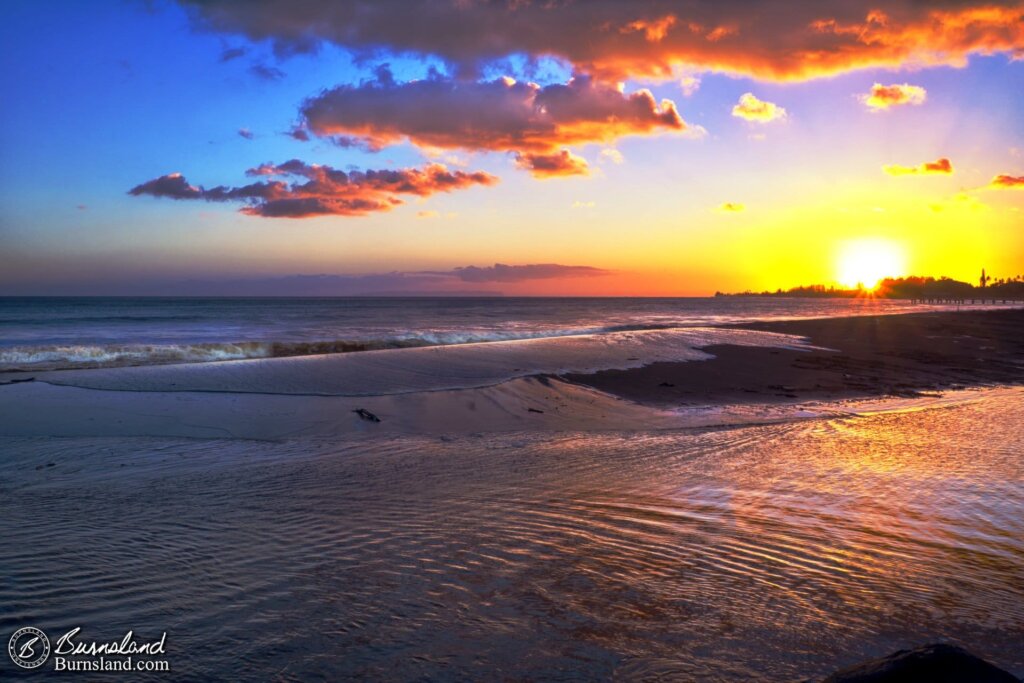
326,190
642,38
232,53
395,283
500,272
563,163
499,115
299,133
266,73
172,186
246,133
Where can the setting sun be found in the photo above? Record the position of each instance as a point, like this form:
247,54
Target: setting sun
865,262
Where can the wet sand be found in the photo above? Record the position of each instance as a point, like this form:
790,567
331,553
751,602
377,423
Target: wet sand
776,552
872,356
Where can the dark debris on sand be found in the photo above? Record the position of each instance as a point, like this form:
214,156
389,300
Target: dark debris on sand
365,414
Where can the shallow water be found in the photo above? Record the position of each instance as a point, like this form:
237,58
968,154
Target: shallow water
772,552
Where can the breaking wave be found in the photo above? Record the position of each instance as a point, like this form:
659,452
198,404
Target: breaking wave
81,356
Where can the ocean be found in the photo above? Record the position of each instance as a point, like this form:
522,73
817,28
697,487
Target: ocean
43,333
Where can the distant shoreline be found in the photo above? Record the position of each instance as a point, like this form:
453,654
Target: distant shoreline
911,288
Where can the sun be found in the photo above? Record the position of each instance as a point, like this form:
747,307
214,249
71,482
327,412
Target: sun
865,262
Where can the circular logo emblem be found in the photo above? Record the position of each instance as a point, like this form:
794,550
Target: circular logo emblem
28,647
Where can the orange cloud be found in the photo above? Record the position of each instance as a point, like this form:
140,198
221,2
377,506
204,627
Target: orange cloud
885,96
563,163
753,109
654,31
763,39
499,115
1007,182
938,167
326,191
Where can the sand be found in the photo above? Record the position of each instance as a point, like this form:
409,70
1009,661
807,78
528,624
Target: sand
895,355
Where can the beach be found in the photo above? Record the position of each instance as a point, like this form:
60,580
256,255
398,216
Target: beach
899,356
804,495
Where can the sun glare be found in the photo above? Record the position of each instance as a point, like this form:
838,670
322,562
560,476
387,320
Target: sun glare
865,262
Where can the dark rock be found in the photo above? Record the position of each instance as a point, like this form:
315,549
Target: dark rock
18,381
534,410
666,384
938,663
366,415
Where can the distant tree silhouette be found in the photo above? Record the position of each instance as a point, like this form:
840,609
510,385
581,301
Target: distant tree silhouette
912,287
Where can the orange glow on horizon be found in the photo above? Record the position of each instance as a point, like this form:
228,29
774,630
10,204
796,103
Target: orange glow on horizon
866,262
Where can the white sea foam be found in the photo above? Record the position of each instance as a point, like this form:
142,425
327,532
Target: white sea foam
73,356
397,371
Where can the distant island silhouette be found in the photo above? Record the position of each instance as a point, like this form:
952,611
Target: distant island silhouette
912,287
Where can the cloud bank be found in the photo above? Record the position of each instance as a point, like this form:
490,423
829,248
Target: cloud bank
764,39
462,281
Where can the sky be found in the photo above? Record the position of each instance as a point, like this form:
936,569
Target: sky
644,148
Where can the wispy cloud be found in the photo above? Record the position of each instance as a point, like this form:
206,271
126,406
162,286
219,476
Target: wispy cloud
467,280
613,155
501,272
232,53
941,166
689,84
265,72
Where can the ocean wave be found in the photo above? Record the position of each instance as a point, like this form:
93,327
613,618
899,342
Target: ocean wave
81,356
